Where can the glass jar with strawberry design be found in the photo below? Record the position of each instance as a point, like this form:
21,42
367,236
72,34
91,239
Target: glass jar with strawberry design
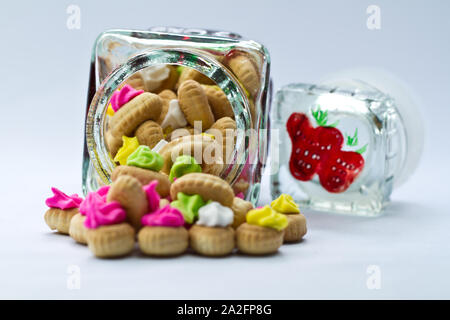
347,143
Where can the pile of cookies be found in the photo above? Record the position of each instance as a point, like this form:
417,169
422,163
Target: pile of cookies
171,131
197,210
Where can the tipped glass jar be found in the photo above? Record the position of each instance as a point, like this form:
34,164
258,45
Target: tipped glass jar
161,60
346,143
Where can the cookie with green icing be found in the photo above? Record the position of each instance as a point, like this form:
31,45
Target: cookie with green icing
144,157
183,165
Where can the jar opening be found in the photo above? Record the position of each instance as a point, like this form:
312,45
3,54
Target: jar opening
152,71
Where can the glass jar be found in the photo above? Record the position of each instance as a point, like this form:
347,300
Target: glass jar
346,143
119,54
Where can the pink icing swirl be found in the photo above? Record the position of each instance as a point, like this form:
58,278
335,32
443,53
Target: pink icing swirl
240,195
62,201
119,98
102,192
164,217
100,213
152,196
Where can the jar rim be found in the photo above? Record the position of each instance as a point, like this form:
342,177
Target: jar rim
191,58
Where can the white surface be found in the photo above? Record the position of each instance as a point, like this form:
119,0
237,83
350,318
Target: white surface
44,82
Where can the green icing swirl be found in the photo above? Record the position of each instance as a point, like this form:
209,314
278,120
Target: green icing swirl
188,205
144,157
183,165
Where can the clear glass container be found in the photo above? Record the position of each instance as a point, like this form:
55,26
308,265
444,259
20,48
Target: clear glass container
346,143
119,54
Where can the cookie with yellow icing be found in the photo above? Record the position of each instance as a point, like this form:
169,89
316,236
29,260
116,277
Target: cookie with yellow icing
296,228
262,233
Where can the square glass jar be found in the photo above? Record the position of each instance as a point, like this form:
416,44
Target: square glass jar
118,54
342,146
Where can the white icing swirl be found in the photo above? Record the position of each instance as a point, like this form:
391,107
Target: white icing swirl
154,76
215,215
174,117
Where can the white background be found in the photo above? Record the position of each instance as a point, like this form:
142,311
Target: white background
44,77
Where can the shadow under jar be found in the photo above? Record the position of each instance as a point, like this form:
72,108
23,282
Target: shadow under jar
224,61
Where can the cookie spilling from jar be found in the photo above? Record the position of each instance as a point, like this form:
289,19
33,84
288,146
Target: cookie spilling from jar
190,211
176,110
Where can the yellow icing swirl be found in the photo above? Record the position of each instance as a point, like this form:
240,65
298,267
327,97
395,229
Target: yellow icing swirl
110,112
285,204
128,147
267,217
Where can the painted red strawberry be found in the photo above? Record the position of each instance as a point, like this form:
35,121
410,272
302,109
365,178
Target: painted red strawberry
329,140
310,146
339,171
304,159
319,150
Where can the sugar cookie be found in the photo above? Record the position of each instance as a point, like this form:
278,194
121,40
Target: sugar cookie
246,72
212,241
181,132
149,133
62,208
296,228
194,104
163,233
192,74
262,233
163,241
111,241
128,191
240,208
257,240
146,106
77,230
144,176
208,186
218,101
224,131
59,220
206,151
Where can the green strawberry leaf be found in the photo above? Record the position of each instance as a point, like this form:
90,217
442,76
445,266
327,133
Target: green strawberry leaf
362,150
352,141
321,117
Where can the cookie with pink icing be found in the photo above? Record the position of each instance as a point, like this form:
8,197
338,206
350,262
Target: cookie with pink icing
62,201
77,229
122,96
107,234
164,217
153,197
102,192
62,208
163,233
102,213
